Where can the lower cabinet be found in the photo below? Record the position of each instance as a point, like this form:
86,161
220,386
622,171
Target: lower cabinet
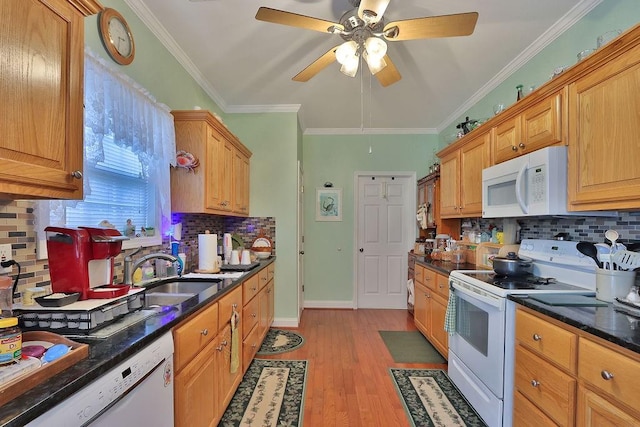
567,377
204,382
430,306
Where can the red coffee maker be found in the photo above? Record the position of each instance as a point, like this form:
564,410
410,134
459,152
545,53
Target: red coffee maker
81,260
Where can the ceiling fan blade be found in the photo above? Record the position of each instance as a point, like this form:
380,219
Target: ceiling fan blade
389,74
294,20
318,65
371,11
461,24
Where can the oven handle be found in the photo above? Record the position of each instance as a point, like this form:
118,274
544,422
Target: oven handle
479,295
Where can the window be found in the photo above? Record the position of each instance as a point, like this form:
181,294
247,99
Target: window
129,144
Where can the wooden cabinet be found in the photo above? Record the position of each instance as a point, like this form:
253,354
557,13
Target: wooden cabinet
461,177
220,184
604,154
41,117
429,195
538,126
565,376
431,296
258,311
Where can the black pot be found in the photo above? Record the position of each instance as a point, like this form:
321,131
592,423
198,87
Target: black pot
512,265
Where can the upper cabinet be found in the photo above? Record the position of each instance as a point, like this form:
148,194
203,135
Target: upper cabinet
604,148
42,65
220,184
536,127
461,177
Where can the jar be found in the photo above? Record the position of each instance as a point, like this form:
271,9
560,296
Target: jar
436,254
457,256
10,340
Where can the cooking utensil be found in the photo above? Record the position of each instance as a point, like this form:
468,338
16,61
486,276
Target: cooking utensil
512,265
612,235
589,249
626,260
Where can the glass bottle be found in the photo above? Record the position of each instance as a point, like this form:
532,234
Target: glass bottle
520,95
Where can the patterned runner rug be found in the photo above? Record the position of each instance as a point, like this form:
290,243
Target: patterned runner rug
431,399
280,341
271,394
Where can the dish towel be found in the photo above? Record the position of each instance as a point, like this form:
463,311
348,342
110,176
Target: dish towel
235,342
450,316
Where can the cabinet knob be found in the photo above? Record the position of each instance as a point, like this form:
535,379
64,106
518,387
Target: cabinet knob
514,148
254,288
223,343
534,383
205,332
606,375
76,174
234,305
521,145
219,348
537,337
254,315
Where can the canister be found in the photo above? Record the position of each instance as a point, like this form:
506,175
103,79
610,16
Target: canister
10,340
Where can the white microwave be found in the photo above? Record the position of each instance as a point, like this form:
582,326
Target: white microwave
533,184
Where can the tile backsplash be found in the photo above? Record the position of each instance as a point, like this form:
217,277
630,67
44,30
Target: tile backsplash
17,227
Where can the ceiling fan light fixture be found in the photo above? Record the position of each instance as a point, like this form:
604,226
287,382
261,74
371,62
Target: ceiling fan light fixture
347,52
350,68
375,47
375,64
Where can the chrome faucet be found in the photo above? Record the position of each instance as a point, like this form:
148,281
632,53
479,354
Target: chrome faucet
130,266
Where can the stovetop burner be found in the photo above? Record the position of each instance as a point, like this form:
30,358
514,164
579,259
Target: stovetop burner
519,282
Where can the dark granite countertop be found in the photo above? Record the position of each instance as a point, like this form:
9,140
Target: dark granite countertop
605,322
441,266
105,354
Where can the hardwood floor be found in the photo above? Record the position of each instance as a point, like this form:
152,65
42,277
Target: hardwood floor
348,383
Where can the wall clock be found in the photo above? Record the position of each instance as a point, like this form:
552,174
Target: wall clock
116,36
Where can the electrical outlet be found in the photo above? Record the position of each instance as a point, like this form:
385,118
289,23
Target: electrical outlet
5,255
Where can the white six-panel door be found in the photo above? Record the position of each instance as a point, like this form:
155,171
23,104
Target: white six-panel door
384,230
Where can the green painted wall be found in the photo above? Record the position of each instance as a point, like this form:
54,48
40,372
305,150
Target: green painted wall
609,15
328,265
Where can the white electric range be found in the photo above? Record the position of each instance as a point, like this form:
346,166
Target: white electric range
481,349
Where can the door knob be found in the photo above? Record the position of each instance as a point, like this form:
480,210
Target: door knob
361,249
301,252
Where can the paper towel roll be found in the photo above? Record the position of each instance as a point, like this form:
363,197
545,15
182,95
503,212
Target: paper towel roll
207,251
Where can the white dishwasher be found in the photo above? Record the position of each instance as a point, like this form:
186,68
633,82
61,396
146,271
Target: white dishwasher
139,391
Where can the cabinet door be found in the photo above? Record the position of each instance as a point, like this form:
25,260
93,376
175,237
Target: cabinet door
541,125
420,307
227,381
240,183
225,175
603,132
506,139
263,296
430,200
474,156
596,411
526,413
215,163
41,92
196,391
271,307
437,312
449,186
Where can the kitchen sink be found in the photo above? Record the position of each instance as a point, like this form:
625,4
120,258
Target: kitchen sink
165,299
191,288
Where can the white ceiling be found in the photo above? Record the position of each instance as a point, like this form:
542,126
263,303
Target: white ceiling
246,65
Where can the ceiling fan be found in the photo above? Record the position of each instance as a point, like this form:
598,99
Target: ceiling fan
365,31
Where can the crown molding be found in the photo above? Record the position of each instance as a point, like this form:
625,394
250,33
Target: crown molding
276,108
557,29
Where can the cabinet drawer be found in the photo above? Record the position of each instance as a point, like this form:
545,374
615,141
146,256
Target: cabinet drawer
250,346
227,303
271,271
250,288
442,286
527,414
419,273
193,335
263,277
429,279
550,389
609,371
551,341
250,316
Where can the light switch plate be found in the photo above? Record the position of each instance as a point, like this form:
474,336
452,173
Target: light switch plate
5,255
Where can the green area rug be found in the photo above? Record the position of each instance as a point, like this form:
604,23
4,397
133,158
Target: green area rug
271,394
280,341
431,399
410,347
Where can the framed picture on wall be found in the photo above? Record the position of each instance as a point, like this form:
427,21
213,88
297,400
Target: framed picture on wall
329,204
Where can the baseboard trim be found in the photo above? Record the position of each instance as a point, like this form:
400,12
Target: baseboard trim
329,304
286,323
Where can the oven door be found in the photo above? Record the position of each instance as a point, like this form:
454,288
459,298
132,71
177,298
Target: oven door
479,338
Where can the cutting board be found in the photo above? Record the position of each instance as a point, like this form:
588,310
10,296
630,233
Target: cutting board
569,300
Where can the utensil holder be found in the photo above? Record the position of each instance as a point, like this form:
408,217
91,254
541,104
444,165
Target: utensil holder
611,284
